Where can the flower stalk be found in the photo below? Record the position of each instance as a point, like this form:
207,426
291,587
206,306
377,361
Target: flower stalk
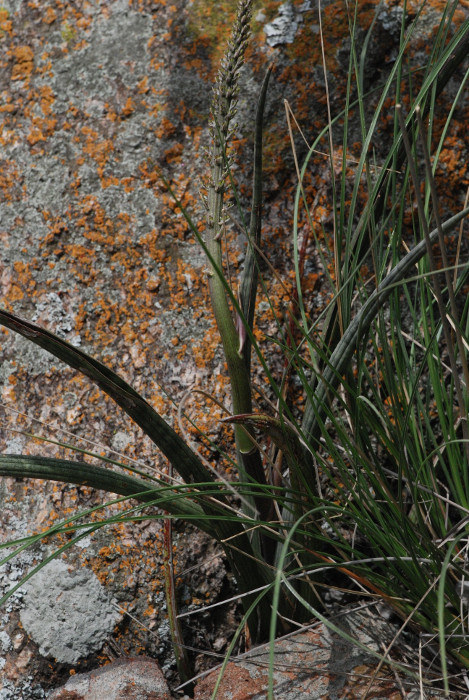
223,110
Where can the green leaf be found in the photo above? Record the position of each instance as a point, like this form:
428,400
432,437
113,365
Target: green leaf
183,459
316,409
249,570
83,474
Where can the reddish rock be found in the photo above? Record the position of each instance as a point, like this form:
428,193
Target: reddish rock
127,679
312,665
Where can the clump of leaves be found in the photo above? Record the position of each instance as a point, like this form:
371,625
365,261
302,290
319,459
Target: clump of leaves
373,371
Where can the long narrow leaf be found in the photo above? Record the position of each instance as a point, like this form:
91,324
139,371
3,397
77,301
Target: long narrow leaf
184,460
316,410
83,474
248,569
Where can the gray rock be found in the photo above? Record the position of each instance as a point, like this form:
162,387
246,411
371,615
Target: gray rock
68,615
283,29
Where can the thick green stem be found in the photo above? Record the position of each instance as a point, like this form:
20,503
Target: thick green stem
251,463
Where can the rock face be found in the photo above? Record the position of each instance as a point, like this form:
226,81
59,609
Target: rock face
98,99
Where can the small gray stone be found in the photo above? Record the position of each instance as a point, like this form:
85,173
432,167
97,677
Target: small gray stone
121,440
68,615
5,641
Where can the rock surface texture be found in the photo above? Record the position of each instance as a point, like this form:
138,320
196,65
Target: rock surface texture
68,614
129,679
311,665
98,98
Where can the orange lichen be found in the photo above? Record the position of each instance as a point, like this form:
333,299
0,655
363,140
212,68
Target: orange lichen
166,129
143,86
24,62
128,107
47,99
49,16
6,24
